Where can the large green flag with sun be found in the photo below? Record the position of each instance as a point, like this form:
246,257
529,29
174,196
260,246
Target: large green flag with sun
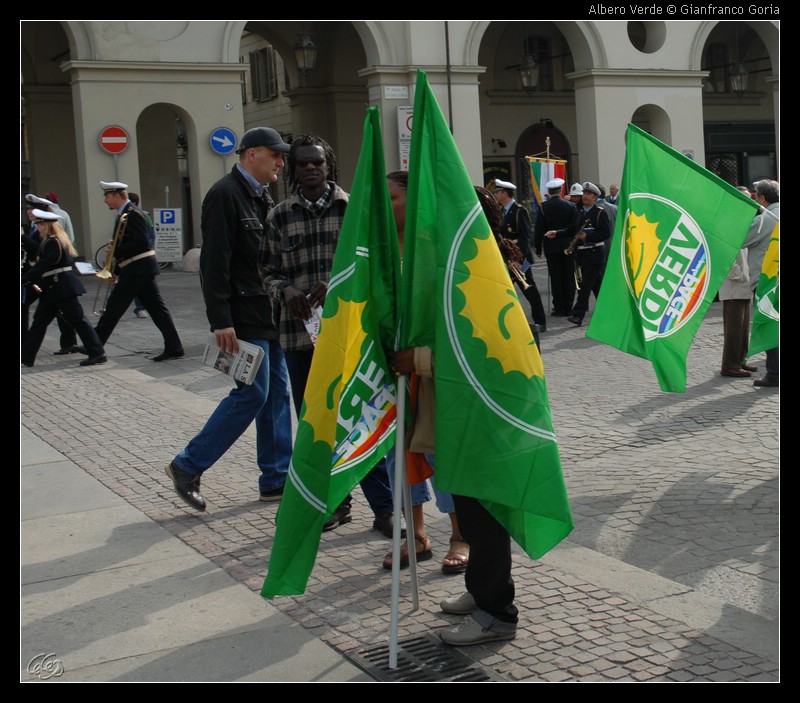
678,231
766,311
348,419
494,430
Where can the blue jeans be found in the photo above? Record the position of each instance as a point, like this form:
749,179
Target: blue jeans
267,402
419,491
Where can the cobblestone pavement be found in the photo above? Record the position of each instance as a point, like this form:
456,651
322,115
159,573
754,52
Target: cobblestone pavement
671,573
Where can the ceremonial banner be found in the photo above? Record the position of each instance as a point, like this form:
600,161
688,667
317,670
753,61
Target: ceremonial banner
542,171
678,231
494,431
348,419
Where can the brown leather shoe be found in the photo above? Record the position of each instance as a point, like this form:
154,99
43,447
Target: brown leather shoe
747,367
735,373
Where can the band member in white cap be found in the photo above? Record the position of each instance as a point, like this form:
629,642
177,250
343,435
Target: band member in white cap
555,228
517,228
136,270
590,252
59,287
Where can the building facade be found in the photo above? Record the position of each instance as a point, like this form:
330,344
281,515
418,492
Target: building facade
510,89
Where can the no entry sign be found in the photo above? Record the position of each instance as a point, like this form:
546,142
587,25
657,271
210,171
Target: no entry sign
113,139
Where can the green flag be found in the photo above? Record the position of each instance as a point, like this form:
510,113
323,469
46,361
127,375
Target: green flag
494,431
678,231
348,419
766,311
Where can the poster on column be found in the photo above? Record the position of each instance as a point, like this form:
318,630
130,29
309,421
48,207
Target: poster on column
169,234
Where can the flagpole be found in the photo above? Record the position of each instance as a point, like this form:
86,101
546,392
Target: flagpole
397,498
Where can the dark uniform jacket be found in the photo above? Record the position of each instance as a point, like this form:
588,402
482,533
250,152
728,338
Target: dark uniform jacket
233,224
559,215
597,226
53,272
134,242
517,228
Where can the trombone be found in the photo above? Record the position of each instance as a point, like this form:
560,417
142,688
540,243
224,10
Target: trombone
106,273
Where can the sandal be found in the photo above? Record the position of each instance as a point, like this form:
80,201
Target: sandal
457,559
424,552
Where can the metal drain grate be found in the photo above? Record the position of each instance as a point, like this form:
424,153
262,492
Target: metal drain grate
421,659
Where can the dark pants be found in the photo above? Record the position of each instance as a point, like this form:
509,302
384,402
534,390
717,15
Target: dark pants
375,484
67,337
488,577
72,313
561,269
531,294
145,288
592,264
773,363
735,333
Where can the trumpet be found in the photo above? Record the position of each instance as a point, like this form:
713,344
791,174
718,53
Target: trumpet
519,276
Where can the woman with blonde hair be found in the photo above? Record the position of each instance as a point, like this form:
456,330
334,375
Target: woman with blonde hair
59,288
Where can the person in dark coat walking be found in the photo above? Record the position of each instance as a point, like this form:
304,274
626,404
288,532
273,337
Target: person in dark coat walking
58,287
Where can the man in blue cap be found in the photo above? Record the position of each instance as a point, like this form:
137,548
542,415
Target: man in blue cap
233,219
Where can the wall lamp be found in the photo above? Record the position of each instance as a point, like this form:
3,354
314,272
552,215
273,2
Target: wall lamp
499,141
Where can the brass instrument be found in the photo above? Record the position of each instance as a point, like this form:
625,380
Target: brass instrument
516,273
573,245
578,276
106,274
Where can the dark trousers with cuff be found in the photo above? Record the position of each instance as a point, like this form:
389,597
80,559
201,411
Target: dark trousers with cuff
488,576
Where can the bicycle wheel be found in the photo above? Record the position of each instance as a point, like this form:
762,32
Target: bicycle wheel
100,257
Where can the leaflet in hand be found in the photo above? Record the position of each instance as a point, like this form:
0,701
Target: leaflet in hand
312,324
241,366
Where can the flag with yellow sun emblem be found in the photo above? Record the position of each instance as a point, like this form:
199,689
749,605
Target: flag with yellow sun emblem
766,311
348,419
679,228
494,431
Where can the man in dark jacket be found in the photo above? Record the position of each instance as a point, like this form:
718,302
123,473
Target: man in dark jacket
517,228
136,271
237,306
555,228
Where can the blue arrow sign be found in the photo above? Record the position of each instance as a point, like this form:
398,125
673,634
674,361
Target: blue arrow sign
223,141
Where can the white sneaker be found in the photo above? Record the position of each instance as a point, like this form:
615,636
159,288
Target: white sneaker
141,314
471,632
459,605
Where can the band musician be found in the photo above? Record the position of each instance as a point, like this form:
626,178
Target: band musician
135,268
517,227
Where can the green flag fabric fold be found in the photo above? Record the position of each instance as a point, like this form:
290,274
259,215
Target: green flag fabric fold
494,434
678,231
348,419
766,311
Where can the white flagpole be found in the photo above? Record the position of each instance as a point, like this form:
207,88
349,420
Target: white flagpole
404,494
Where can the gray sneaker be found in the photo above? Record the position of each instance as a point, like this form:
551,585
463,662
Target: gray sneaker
471,632
458,605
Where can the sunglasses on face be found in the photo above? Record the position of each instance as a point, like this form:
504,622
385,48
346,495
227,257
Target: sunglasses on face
306,162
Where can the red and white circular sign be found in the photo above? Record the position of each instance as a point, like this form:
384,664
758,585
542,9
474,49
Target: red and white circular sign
113,140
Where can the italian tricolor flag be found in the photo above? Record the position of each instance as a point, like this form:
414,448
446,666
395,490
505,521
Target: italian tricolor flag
542,171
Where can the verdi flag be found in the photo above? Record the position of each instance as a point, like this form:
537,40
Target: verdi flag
542,171
766,311
678,231
494,432
347,421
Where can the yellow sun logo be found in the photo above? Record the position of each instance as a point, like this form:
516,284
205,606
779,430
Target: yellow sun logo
642,250
496,315
336,358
